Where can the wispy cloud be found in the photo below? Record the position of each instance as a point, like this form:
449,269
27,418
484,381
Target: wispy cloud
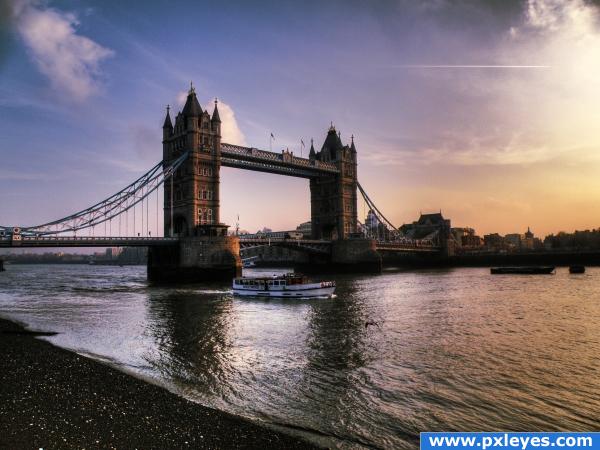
469,66
18,175
69,60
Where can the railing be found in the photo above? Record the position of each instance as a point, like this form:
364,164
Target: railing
287,240
406,244
97,238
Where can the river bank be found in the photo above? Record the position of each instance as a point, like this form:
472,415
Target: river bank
54,398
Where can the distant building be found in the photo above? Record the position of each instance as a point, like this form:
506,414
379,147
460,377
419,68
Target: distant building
529,241
429,226
112,252
466,238
306,229
374,228
494,242
513,240
521,242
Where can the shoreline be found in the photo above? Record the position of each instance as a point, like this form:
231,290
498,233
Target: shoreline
55,398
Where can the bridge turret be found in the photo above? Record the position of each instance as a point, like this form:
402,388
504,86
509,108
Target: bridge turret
216,120
312,155
192,111
167,126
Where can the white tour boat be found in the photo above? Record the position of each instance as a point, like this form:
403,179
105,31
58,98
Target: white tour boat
283,286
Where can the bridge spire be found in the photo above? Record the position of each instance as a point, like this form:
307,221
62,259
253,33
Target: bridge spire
215,114
168,123
192,107
352,147
312,154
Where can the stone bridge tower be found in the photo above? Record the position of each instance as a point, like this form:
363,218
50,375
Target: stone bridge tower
203,252
192,206
333,198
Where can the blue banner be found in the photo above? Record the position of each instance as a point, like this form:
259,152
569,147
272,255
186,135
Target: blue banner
508,440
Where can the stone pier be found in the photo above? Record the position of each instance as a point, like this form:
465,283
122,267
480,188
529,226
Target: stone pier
347,256
355,255
195,260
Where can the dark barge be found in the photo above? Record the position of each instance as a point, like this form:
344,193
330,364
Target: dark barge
526,270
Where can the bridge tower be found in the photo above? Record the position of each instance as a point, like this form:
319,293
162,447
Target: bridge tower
334,198
191,202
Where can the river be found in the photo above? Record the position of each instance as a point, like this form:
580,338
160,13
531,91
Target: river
390,356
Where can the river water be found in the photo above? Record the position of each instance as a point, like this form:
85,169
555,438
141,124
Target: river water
390,356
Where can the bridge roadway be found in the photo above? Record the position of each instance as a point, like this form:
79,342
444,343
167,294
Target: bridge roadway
309,245
86,241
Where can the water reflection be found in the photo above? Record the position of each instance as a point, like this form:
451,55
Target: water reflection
190,328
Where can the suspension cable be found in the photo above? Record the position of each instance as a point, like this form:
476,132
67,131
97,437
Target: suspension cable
115,205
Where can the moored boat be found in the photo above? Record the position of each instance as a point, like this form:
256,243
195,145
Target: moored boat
524,270
284,286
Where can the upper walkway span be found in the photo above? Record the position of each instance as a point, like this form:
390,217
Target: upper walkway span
284,163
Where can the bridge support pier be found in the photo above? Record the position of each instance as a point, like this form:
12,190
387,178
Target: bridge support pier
355,255
347,256
195,260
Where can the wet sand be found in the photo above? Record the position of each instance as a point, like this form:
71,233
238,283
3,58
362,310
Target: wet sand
52,398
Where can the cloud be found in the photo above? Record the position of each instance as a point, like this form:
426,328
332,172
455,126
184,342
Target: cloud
230,130
18,175
69,60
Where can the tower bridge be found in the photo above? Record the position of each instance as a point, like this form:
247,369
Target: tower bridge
196,245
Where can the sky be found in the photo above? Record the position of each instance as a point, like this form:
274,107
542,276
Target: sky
486,110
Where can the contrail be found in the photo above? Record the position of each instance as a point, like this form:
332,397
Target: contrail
467,66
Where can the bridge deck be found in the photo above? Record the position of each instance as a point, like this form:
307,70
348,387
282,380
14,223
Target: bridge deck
86,241
321,246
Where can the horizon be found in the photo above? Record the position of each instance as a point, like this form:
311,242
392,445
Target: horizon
483,110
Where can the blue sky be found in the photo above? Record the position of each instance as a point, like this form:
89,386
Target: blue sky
481,109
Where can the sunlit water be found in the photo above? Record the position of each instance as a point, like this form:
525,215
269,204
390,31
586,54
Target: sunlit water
391,356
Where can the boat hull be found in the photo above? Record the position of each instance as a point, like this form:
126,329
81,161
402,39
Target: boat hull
287,293
535,270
